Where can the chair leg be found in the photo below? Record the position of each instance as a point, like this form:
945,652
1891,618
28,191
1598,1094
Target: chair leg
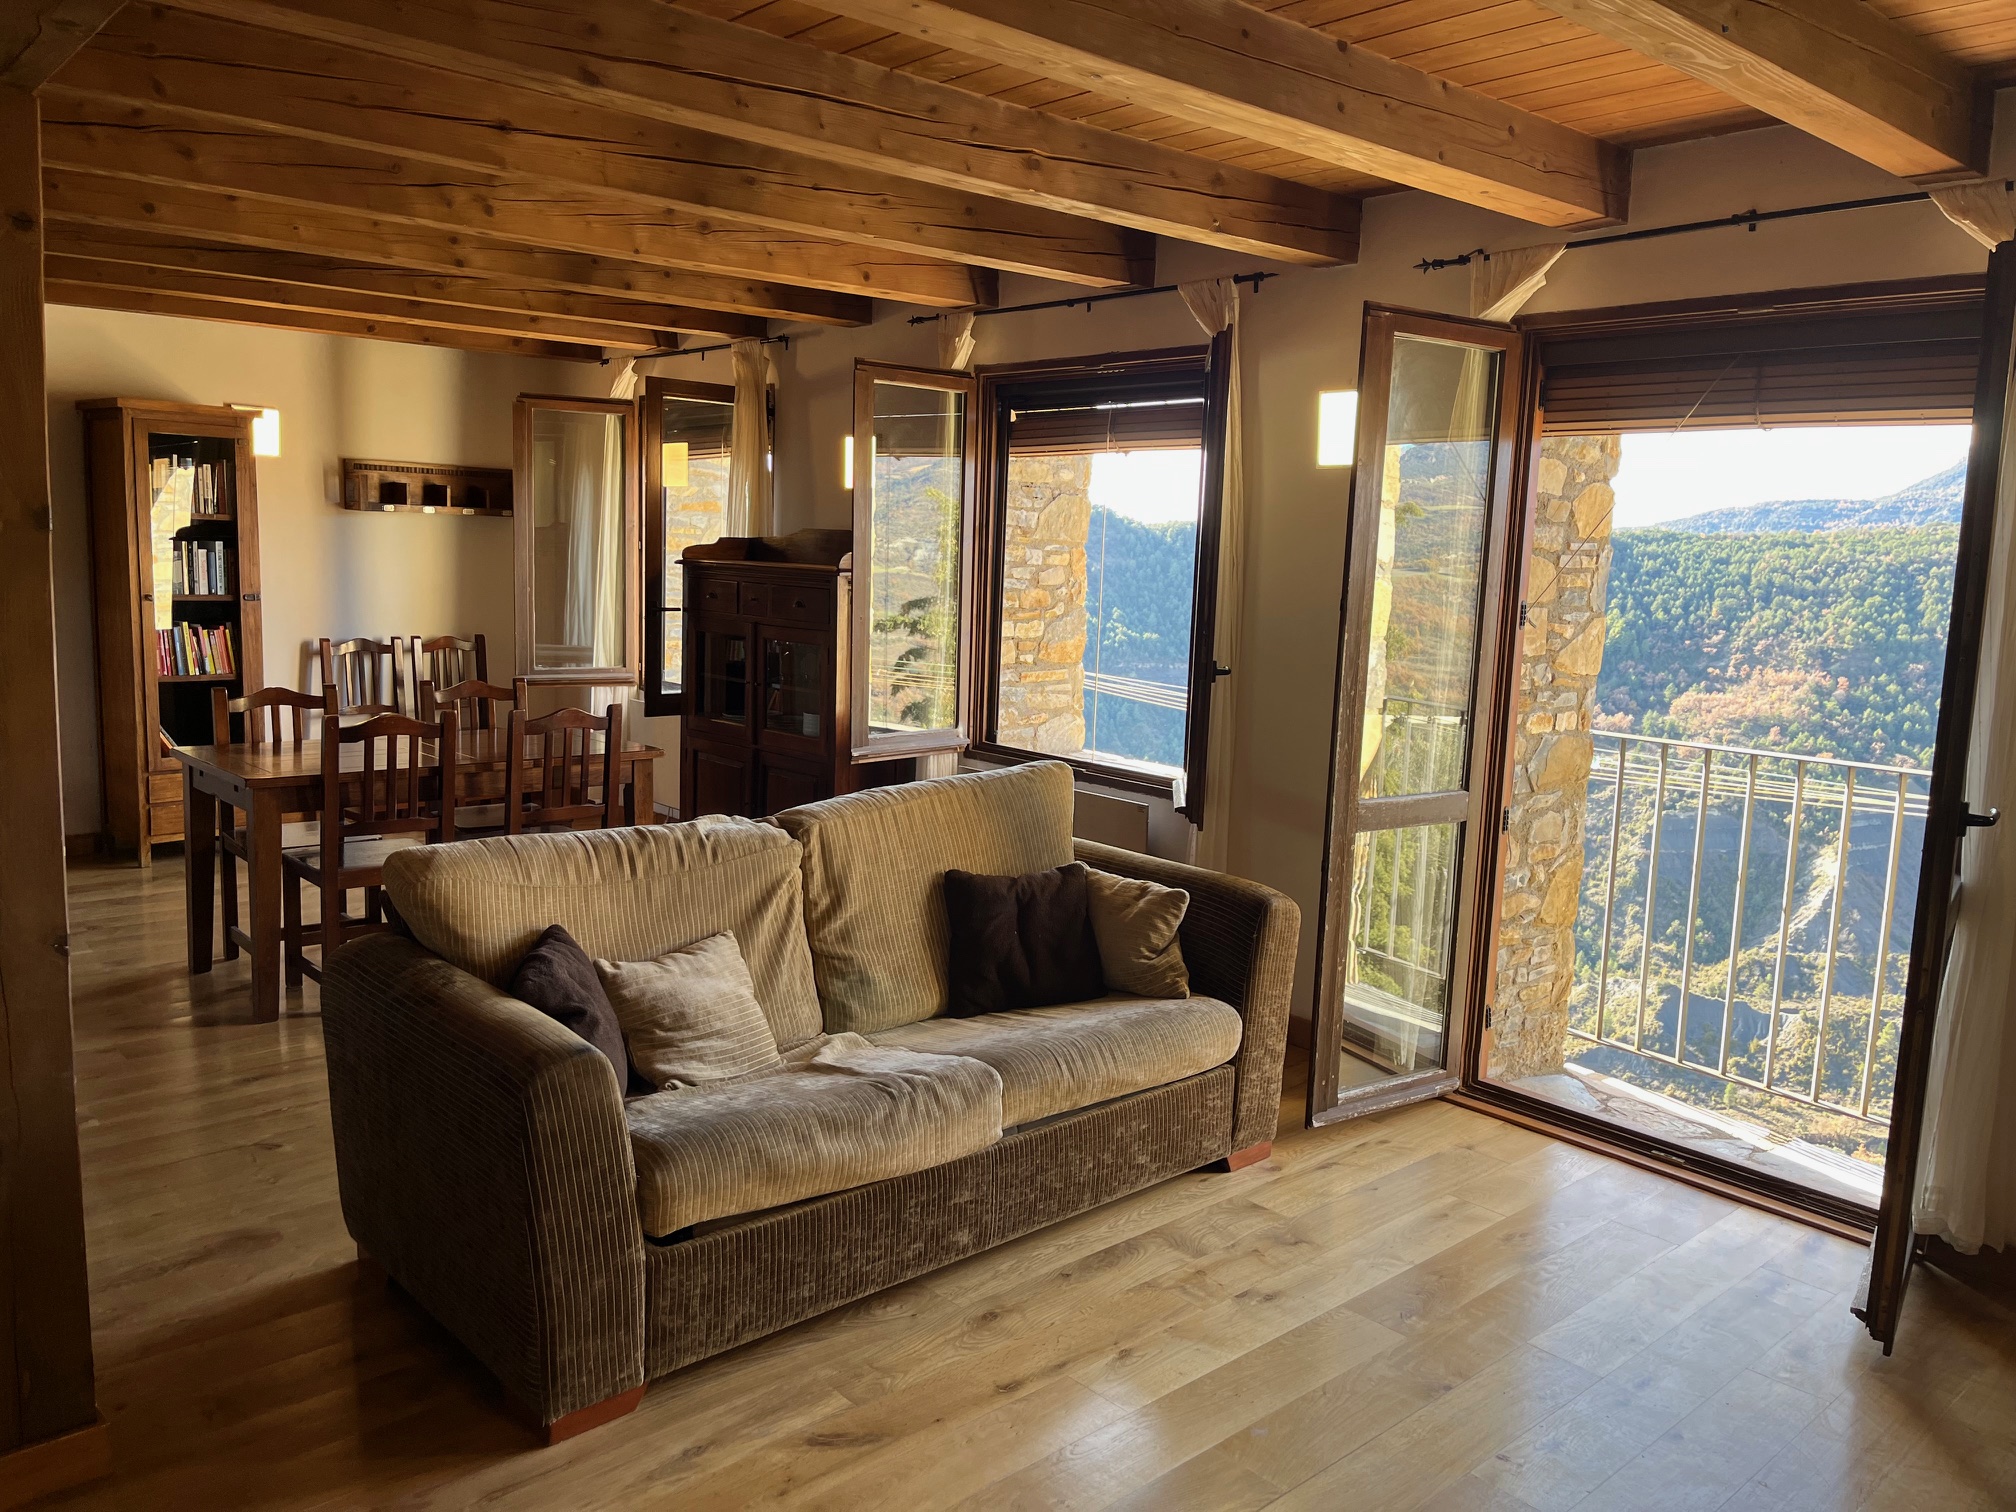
290,925
332,918
227,887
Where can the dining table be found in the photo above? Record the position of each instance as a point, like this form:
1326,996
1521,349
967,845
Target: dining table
273,782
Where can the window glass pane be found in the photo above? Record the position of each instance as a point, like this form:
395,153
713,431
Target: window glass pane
1434,507
578,597
917,503
693,477
1395,992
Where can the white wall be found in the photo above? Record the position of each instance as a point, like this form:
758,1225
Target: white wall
327,570
1301,336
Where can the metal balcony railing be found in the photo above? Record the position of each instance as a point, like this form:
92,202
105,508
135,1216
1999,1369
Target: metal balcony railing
1845,830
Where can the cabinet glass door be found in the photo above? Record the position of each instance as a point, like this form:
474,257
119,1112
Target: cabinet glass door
1424,569
794,688
723,659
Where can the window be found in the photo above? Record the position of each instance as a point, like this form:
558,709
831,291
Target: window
576,536
1103,550
686,443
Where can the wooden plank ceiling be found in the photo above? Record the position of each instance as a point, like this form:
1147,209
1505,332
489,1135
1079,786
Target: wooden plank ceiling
586,177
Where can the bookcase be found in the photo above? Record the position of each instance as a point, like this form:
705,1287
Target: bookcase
175,571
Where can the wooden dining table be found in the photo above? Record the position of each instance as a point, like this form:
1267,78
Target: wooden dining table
269,783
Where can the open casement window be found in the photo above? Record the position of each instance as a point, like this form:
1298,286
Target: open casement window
913,560
685,430
1424,572
575,525
1098,566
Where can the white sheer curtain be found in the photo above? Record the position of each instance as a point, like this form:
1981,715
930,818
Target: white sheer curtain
751,502
955,340
1967,1164
1215,303
1985,211
1502,282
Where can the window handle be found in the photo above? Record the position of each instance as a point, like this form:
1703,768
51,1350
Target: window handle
1218,670
1971,820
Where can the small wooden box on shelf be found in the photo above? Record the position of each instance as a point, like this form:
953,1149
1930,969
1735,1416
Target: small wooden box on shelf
175,569
765,687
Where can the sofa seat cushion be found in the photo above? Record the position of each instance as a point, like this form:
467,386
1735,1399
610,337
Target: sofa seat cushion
1053,1060
875,865
837,1114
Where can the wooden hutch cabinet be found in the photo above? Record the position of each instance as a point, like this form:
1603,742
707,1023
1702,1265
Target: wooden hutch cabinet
175,570
766,640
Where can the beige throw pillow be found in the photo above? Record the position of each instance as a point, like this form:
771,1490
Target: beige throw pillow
691,1015
1135,923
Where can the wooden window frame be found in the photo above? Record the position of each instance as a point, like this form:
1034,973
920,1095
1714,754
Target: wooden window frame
523,526
997,383
658,699
866,745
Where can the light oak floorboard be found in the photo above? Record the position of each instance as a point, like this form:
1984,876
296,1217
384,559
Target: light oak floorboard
1423,1309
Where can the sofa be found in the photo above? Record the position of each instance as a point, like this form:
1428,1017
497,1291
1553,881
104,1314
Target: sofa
582,1239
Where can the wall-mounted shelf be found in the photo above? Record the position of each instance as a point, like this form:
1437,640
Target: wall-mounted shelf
425,488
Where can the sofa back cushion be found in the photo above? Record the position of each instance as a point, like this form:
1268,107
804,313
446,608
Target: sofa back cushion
875,865
626,895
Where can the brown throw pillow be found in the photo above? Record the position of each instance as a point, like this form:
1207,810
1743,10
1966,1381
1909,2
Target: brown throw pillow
1020,942
691,1015
558,979
1136,924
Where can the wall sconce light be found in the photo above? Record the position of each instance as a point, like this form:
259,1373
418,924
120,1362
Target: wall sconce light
1336,427
265,429
847,462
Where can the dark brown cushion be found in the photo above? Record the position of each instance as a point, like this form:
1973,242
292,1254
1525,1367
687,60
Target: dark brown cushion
558,979
1020,942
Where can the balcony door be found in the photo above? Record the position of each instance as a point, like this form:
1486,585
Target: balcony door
1424,576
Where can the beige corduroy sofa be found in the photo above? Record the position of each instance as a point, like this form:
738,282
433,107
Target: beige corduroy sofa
581,1243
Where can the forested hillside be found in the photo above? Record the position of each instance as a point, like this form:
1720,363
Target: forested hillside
1139,627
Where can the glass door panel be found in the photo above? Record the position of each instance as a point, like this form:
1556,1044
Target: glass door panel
1424,568
576,538
724,677
794,680
687,432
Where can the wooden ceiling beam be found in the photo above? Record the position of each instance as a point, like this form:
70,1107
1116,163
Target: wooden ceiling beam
692,70
1229,66
273,294
158,146
152,251
223,71
1837,69
38,36
188,307
118,204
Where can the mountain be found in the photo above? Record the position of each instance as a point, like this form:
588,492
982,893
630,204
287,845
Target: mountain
1930,501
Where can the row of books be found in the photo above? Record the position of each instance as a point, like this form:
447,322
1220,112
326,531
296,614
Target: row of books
207,483
186,650
200,567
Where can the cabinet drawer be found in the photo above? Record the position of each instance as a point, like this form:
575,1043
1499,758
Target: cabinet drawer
752,599
164,787
164,822
810,605
714,595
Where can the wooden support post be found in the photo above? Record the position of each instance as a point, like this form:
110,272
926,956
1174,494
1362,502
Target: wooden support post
47,1394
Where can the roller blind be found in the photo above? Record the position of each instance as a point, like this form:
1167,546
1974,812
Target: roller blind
1841,367
1140,426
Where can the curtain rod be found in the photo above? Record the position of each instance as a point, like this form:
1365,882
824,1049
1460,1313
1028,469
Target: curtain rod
1089,300
699,351
1748,219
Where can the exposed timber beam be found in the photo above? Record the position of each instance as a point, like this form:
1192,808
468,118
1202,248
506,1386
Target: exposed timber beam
191,307
1836,69
273,294
224,72
38,36
150,251
1226,65
692,70
158,146
90,199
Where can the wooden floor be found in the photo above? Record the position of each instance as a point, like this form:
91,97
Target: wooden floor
1427,1309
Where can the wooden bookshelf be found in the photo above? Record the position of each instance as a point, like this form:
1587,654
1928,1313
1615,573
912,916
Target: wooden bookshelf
177,477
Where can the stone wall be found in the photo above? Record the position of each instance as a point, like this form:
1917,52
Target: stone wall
1043,619
1567,580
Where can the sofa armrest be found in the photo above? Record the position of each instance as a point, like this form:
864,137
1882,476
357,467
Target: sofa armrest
1239,943
484,1161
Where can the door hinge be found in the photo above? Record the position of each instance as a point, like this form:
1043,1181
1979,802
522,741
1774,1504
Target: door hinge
1487,1018
1524,618
1505,821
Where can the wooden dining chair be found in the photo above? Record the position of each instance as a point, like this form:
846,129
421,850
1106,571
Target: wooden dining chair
478,706
403,793
557,779
367,675
447,659
271,717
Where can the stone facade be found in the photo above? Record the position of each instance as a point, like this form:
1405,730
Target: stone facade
1567,580
1043,618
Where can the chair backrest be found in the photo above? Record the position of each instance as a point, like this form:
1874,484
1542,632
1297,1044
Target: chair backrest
273,716
445,660
366,675
396,789
555,771
475,702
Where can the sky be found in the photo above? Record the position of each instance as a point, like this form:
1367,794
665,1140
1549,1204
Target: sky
1154,487
1666,475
